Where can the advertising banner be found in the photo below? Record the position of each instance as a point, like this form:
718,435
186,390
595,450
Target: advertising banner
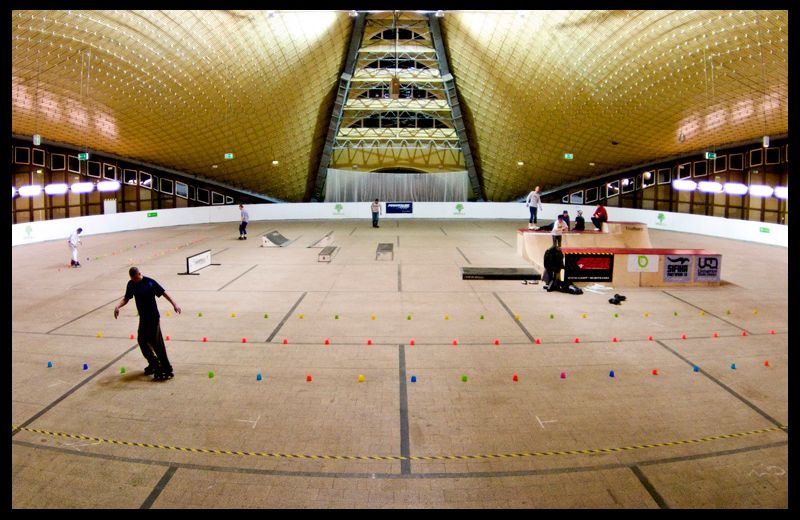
589,267
707,268
678,268
642,263
399,207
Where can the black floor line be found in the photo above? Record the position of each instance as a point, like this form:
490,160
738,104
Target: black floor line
398,240
71,391
148,503
274,332
728,389
354,230
244,273
369,475
443,231
221,251
83,315
705,311
518,322
405,449
503,241
462,254
649,487
399,278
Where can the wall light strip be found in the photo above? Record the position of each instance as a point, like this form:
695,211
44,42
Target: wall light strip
56,189
782,192
735,188
82,187
684,185
709,187
108,186
30,190
760,190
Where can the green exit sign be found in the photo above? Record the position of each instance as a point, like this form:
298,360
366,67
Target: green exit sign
711,155
229,156
152,214
764,229
568,156
83,156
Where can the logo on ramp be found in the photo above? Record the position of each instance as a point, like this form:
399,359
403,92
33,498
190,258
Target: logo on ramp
459,209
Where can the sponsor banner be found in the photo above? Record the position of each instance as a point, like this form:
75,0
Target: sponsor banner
678,268
642,263
707,268
583,267
399,207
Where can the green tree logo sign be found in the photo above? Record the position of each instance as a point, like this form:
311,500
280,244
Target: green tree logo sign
459,209
28,231
338,209
661,218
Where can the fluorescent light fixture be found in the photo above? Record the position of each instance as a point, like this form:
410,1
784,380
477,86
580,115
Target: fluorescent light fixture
760,190
30,190
108,186
56,189
81,187
782,192
709,187
735,188
13,191
520,163
766,141
275,163
684,185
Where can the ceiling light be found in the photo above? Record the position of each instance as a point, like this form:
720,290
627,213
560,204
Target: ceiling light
215,166
760,190
766,141
782,192
30,190
520,163
735,188
353,13
56,189
275,163
439,14
684,185
709,187
83,187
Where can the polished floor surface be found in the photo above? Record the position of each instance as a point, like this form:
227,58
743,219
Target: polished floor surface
365,383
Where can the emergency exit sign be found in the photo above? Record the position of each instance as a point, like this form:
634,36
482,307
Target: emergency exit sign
83,156
229,156
152,214
568,156
711,155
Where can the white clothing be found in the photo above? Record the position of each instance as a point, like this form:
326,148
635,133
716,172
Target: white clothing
375,207
559,226
534,199
73,242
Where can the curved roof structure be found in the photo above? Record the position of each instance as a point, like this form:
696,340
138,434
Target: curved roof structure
613,88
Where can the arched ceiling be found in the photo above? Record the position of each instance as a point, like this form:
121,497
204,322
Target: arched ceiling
182,88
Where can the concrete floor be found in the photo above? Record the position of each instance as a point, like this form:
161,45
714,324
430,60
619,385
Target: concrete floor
96,438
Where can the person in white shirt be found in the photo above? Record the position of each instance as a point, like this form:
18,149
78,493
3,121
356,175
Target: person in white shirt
73,242
559,226
534,202
376,210
243,224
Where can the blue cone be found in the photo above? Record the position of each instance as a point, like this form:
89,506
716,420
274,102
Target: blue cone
258,376
413,379
733,366
49,364
85,366
696,368
611,374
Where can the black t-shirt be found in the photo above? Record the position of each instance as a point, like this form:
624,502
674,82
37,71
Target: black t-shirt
579,223
145,293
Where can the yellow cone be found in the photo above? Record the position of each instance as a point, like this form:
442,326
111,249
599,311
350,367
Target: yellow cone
360,378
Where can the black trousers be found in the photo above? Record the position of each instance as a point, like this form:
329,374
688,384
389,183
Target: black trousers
534,210
151,343
598,223
243,229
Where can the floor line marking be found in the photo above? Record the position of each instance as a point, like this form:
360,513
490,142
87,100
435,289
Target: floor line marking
274,332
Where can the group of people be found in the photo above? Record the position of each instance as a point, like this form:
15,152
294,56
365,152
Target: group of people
561,224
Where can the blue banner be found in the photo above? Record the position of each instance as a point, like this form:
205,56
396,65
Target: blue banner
399,207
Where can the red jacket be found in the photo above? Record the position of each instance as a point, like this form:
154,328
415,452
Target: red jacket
600,213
